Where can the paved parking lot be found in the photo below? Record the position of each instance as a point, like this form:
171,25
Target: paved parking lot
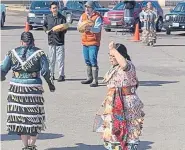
71,109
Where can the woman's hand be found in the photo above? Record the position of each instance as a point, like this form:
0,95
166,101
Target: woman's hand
111,45
112,48
114,53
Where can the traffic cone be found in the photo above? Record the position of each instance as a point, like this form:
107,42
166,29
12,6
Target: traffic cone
27,27
136,34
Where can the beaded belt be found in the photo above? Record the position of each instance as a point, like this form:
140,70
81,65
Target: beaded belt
130,90
26,75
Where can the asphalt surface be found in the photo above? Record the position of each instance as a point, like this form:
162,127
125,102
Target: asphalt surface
71,109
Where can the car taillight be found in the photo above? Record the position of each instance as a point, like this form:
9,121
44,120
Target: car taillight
106,14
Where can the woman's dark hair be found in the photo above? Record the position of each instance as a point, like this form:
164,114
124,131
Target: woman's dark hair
27,37
122,50
54,3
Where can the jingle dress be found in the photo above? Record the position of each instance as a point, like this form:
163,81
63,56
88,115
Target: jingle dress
25,108
149,29
122,110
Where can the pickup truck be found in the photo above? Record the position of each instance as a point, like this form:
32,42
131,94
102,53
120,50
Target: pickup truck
3,14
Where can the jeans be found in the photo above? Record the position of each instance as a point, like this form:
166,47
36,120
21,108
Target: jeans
57,53
90,55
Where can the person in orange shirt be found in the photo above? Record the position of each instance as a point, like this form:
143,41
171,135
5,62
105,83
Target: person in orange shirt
91,42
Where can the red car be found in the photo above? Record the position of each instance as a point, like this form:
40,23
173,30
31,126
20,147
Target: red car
114,18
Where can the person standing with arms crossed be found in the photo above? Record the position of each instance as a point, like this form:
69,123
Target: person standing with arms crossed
91,42
56,40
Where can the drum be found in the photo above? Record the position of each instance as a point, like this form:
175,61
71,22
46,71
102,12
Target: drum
60,27
82,26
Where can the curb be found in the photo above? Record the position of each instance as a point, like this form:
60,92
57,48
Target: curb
16,9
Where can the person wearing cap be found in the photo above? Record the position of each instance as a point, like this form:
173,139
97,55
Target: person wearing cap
91,42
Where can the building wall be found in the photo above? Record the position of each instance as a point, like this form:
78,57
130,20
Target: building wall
103,2
162,2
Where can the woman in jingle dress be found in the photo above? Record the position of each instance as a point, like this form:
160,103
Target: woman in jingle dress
122,115
148,17
25,109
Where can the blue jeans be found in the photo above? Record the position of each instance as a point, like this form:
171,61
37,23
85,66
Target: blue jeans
90,55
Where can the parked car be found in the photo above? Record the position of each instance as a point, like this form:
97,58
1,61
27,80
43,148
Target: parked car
3,14
114,17
37,12
175,20
74,9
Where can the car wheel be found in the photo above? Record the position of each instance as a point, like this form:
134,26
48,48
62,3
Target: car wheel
168,31
159,25
30,27
108,30
2,20
69,18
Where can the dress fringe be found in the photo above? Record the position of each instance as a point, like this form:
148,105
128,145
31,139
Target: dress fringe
25,109
17,88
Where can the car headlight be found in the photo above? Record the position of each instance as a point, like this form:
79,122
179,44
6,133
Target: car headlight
167,18
31,15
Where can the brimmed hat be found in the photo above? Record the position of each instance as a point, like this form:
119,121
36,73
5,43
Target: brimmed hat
89,4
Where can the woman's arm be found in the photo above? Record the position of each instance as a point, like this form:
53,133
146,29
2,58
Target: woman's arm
141,16
120,59
45,72
97,26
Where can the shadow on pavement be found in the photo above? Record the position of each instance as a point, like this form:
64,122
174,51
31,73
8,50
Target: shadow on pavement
144,145
99,78
182,34
171,35
40,28
155,83
80,146
42,136
12,27
167,45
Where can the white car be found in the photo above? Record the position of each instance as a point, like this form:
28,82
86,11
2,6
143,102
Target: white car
3,14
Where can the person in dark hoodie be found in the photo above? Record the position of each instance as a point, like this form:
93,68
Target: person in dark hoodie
56,40
128,12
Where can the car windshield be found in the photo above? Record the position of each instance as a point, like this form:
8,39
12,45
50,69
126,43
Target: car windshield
180,8
40,4
97,5
119,6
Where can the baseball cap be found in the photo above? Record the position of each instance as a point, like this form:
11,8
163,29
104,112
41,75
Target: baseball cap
89,4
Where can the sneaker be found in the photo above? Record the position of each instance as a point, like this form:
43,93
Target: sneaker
61,78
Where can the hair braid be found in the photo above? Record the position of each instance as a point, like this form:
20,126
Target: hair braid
27,37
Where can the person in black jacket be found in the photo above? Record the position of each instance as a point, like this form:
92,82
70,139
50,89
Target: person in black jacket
129,8
128,12
56,40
